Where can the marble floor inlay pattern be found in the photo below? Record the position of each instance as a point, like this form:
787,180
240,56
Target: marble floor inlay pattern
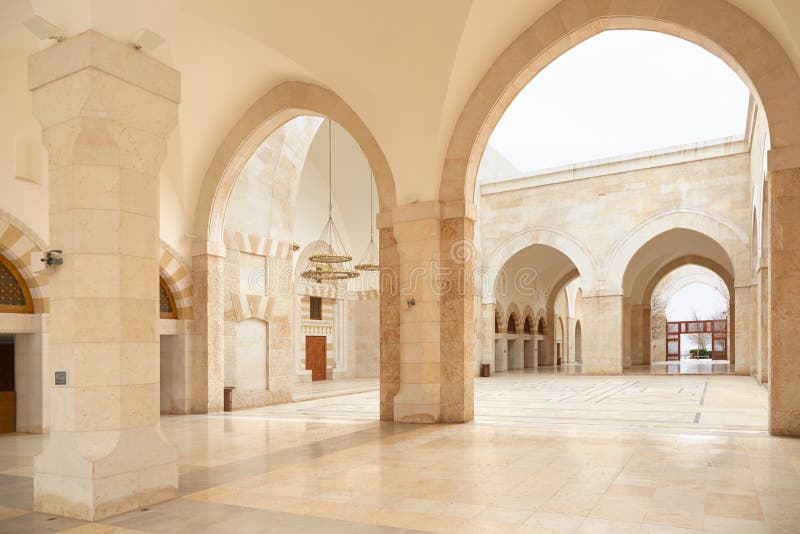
643,454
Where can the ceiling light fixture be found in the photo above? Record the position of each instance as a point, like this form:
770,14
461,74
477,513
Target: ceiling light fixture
370,259
329,260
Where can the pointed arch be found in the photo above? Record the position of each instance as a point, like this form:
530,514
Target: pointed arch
177,277
23,250
278,106
499,319
586,264
716,25
528,325
514,321
722,231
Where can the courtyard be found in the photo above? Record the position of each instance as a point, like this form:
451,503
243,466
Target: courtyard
559,453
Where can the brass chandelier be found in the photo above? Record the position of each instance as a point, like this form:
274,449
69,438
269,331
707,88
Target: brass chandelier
329,260
369,260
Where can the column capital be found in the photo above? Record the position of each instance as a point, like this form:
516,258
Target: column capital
91,49
783,158
208,248
432,209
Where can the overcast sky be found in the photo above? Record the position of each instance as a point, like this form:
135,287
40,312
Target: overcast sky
617,93
703,298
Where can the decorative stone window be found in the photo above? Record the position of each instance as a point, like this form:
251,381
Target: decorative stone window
527,328
540,328
166,302
14,294
315,305
512,325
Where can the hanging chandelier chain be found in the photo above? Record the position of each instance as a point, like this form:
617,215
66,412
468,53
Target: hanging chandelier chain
330,168
329,260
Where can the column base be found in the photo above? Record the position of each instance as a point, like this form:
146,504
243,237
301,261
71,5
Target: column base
83,481
417,403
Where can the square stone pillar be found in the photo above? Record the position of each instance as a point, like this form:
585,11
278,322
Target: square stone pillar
602,334
763,321
419,397
105,111
784,302
457,319
550,340
743,321
487,333
626,333
390,309
647,334
637,333
208,368
570,341
427,314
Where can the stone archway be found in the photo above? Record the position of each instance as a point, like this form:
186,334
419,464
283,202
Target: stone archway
178,276
265,116
580,256
732,239
641,321
716,25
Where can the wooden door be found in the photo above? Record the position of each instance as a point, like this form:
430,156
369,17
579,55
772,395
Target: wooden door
316,357
8,398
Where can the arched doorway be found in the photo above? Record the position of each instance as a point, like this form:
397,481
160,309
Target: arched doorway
578,343
669,254
270,114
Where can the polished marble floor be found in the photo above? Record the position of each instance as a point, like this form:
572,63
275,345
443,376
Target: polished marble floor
333,388
545,454
685,366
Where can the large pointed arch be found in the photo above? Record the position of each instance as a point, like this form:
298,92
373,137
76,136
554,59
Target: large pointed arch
716,25
267,114
24,249
585,263
718,229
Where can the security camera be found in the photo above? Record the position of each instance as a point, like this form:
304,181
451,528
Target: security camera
53,257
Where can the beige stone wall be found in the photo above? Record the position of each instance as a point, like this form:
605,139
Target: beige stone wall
600,213
366,314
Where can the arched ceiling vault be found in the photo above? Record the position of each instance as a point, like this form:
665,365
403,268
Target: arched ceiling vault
406,68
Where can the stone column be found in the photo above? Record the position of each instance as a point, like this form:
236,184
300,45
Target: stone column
487,333
105,111
763,321
390,305
457,319
208,369
647,335
637,335
784,302
571,342
743,311
550,338
602,334
626,333
418,246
